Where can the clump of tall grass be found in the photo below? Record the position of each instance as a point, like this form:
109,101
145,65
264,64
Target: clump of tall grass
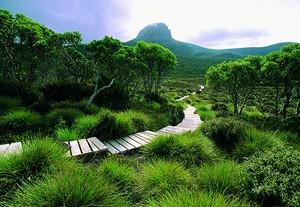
186,198
225,132
66,134
118,173
83,125
77,186
224,177
7,104
39,156
20,121
253,140
158,177
188,148
67,115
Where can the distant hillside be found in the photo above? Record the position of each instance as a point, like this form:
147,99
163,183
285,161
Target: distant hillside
159,33
193,59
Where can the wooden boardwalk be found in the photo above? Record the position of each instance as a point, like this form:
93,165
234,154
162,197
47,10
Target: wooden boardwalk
92,146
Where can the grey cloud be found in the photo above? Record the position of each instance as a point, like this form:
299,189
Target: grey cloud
213,38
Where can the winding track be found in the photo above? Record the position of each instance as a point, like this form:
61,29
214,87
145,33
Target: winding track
91,146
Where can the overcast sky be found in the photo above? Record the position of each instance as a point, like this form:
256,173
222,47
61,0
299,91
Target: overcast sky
208,23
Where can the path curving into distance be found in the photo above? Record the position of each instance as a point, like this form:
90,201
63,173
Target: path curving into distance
91,146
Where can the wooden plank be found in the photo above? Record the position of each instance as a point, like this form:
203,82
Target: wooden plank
93,146
84,146
182,128
151,132
142,142
75,149
14,148
3,148
151,136
117,145
101,146
111,149
125,144
144,136
167,131
132,142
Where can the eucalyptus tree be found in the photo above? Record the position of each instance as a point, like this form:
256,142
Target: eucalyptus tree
154,60
281,70
238,79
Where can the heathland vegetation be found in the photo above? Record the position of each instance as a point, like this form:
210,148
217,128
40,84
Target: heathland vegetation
246,153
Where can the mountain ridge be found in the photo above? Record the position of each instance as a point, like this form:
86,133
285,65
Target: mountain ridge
160,33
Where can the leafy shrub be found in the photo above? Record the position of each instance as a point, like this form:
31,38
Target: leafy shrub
253,140
7,104
188,148
38,157
73,187
67,115
272,177
66,134
83,125
223,177
20,121
23,91
225,132
185,198
158,177
219,107
119,174
62,91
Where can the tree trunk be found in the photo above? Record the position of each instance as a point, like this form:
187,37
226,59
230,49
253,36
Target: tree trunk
97,91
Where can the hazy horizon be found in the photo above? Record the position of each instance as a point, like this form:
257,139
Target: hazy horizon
209,23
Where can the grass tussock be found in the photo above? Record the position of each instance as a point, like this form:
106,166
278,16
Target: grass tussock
224,177
39,156
66,134
118,173
253,140
68,116
186,198
73,187
158,177
7,104
189,148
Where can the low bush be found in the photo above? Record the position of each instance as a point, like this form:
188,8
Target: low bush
186,198
63,91
71,188
20,121
21,90
219,107
66,134
188,148
159,177
7,104
272,177
253,140
67,116
38,157
206,115
224,177
225,132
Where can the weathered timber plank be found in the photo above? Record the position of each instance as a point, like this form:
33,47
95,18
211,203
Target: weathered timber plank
3,148
101,146
145,137
75,149
93,146
142,142
117,145
14,148
132,142
125,144
151,136
84,146
111,149
151,132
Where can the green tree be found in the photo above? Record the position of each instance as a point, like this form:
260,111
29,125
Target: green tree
281,71
155,60
238,79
